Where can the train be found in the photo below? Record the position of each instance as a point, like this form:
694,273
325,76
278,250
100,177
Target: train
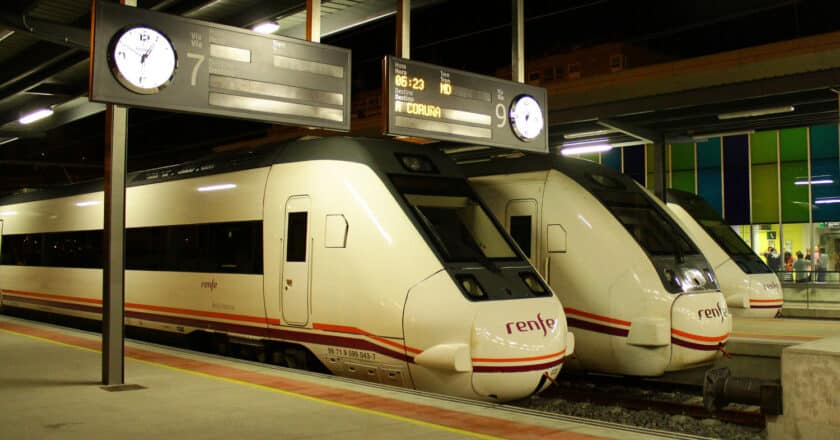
373,259
639,295
751,288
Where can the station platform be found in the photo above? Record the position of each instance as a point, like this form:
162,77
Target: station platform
50,383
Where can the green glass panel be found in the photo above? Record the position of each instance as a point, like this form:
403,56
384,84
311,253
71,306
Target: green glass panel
683,180
824,141
793,143
765,193
763,147
794,197
682,157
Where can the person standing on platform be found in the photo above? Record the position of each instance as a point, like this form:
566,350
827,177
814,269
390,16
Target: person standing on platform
802,267
822,265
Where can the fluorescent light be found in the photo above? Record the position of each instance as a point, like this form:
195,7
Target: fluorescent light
266,27
815,180
37,115
8,212
757,112
705,137
827,200
581,134
7,140
584,149
219,187
89,203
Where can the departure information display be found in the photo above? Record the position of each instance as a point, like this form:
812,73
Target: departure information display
143,58
435,102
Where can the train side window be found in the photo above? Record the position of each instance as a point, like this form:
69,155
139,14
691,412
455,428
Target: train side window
520,230
296,240
556,238
336,231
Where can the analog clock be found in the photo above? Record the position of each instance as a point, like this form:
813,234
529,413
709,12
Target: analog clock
142,59
526,117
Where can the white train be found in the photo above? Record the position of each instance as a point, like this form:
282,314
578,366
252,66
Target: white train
750,287
640,297
374,257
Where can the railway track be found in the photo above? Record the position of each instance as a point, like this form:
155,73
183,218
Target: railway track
647,403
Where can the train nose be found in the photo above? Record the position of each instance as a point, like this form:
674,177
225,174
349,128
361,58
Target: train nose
512,351
700,326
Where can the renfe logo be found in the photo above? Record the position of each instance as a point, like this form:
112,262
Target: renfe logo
718,312
771,286
212,284
529,326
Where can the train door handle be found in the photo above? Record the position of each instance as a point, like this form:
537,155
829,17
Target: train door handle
287,284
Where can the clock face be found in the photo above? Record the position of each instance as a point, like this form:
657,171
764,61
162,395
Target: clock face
142,59
526,117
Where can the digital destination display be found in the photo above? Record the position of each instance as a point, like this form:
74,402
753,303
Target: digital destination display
148,59
425,100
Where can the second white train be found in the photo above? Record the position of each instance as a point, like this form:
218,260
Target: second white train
637,291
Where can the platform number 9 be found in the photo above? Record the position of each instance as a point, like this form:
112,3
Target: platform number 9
501,115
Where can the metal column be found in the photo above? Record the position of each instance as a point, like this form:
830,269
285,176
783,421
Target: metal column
313,20
404,29
517,50
660,185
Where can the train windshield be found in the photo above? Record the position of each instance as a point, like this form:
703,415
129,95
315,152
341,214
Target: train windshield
654,230
720,231
459,226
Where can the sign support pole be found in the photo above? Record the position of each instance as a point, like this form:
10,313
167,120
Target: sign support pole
313,21
113,273
518,41
404,29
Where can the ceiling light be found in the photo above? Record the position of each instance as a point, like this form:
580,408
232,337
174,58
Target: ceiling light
266,27
582,134
37,115
705,137
4,141
89,203
585,149
827,200
815,180
220,187
757,112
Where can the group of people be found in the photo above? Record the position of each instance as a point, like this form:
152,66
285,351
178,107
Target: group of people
803,266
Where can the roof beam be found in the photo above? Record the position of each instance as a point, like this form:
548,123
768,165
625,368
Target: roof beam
57,33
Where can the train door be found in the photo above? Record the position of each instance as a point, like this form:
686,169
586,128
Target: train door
521,224
297,255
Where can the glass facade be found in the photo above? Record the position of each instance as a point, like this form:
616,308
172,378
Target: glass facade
777,188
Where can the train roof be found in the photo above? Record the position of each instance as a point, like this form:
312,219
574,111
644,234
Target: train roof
379,154
577,169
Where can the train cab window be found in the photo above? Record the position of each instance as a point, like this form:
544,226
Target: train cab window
457,225
296,236
520,230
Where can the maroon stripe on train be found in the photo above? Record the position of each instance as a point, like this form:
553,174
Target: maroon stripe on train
767,307
695,346
516,368
600,328
286,335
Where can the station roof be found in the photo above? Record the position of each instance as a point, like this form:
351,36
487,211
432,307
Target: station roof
714,60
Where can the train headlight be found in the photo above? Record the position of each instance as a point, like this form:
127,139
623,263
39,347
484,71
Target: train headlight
471,287
534,284
417,164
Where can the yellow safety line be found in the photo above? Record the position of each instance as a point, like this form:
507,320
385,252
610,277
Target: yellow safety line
288,393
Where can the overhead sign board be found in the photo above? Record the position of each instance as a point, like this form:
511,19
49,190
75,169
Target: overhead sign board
425,100
148,59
